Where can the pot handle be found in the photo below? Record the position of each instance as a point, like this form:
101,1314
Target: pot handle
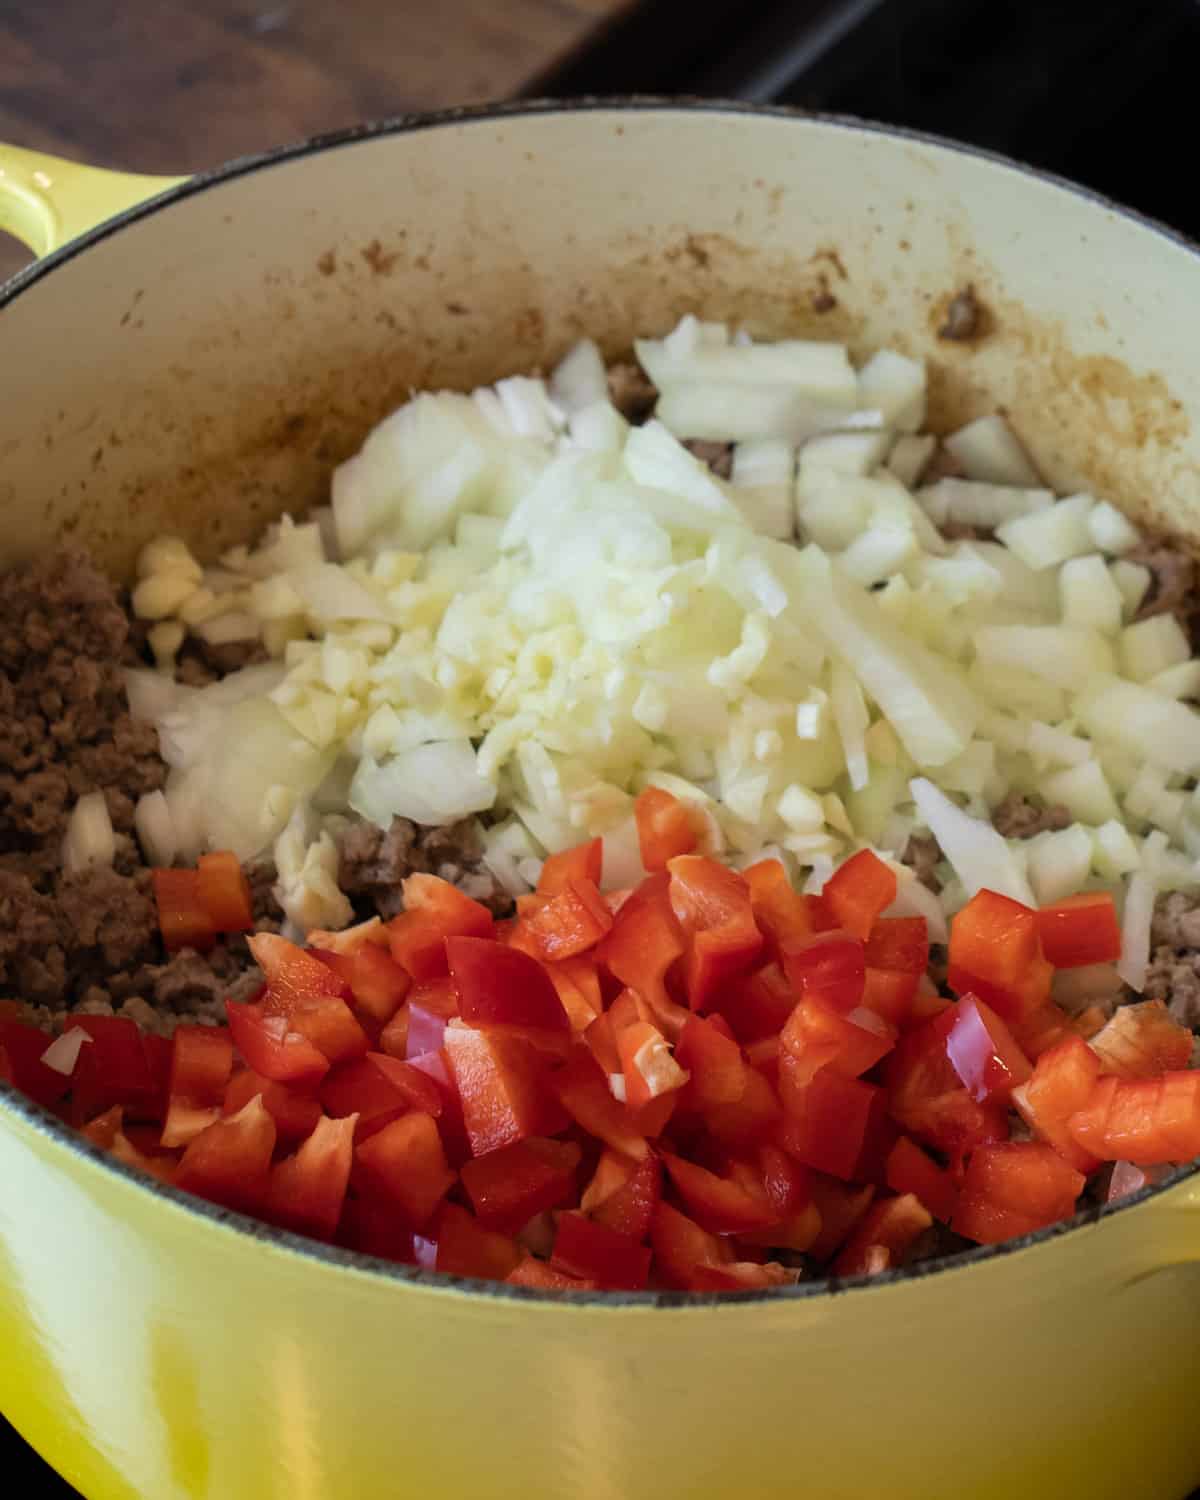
46,201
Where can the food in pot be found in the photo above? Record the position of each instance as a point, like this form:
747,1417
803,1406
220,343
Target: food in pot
534,621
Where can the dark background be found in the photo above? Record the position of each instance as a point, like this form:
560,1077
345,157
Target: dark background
1100,92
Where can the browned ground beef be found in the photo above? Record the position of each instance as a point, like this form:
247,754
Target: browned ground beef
631,391
1172,584
1174,975
1019,817
718,456
923,855
374,862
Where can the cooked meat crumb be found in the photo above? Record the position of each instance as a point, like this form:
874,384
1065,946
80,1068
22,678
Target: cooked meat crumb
1174,972
631,391
373,863
718,456
923,854
1172,582
1019,817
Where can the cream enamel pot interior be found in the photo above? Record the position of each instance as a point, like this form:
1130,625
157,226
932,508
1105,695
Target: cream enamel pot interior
197,366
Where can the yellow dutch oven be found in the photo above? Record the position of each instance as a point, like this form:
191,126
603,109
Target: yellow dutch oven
198,364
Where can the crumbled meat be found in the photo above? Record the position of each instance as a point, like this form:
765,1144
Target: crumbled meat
1172,582
372,864
922,854
631,391
199,664
944,465
1176,921
718,456
964,316
109,919
961,531
1020,817
1174,972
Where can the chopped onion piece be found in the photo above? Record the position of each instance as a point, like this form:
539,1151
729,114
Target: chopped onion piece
910,457
1060,654
1151,646
851,717
990,451
1089,597
894,385
155,830
1046,538
1133,580
1142,722
1111,531
978,855
1135,931
915,899
1059,863
579,379
431,784
987,506
1084,791
89,839
63,1053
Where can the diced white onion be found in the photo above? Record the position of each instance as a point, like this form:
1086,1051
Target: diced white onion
63,1052
155,830
89,839
1135,931
989,450
979,856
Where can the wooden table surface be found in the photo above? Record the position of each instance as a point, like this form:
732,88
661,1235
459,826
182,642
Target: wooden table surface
176,85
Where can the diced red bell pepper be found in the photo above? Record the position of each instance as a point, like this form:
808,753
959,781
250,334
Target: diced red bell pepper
224,891
828,967
500,1082
23,1048
926,1003
890,994
378,985
568,924
1013,1188
271,1048
349,939
183,918
1062,1082
601,1041
719,1204
899,945
742,1276
593,1251
630,1207
583,862
201,1062
893,1224
750,1120
313,999
1142,1041
501,986
157,1051
228,1161
1126,1179
984,1052
713,906
1081,930
681,1247
664,826
782,913
1147,1121
850,1043
910,1170
757,1004
450,1121
507,1187
532,1272
926,1097
611,1173
295,1114
378,1089
828,1120
788,1187
466,1248
645,940
405,1163
372,1226
649,1069
307,1191
433,911
430,1006
112,1069
840,1205
858,892
996,954
715,1063
583,1090
102,1130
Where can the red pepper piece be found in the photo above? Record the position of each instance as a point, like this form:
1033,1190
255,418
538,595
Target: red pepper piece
433,911
899,945
597,1253
996,954
926,1096
851,1043
984,1052
1147,1121
466,1248
664,826
1081,930
890,993
23,1048
183,919
307,1191
405,1163
568,924
828,1121
271,1048
1142,1041
1013,1188
720,1204
1063,1081
501,986
378,985
362,1088
910,1170
583,862
157,1051
630,1207
112,1069
536,1273
430,1006
715,1063
756,1005
828,967
891,1224
314,1000
450,1121
584,1093
201,1063
372,1226
507,1187
228,1161
500,1082
224,891
781,913
750,1120
858,892
681,1247
713,906
295,1114
645,940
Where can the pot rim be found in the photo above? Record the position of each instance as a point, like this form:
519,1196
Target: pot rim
336,1257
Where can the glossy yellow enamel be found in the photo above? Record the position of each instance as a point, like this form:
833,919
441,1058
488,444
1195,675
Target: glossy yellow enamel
46,201
198,371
